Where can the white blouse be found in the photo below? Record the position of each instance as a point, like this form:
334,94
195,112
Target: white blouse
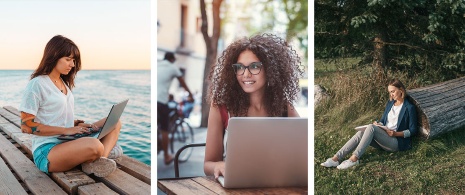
393,117
50,106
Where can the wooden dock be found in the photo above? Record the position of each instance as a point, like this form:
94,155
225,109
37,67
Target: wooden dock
19,175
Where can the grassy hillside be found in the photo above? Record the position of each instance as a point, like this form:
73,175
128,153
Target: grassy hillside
356,98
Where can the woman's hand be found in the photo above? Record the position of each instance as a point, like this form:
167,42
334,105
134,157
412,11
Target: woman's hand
390,132
75,130
77,122
94,127
219,169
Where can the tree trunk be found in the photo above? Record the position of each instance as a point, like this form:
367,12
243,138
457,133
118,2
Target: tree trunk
211,44
379,56
440,107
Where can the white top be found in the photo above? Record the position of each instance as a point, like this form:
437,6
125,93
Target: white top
166,72
51,107
393,117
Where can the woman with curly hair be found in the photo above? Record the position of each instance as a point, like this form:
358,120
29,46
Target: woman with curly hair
254,77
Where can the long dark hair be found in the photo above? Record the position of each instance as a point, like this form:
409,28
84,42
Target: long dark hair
58,47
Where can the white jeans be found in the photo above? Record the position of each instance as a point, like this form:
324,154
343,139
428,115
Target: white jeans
372,135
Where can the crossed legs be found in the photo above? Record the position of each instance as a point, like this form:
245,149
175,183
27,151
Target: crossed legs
67,155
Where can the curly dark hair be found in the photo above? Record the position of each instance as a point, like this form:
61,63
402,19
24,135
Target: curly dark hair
281,64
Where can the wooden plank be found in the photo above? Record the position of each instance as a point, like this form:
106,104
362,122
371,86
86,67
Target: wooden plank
13,110
8,182
37,181
3,120
123,183
208,185
183,186
213,185
10,129
71,180
95,189
14,119
24,140
136,168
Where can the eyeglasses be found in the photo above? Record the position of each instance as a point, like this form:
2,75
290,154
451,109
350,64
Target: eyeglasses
254,68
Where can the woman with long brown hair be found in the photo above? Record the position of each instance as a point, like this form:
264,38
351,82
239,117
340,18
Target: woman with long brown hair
47,111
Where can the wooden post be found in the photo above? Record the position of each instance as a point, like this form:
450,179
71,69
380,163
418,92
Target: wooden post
440,107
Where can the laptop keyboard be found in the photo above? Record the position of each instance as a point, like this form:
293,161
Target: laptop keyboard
90,133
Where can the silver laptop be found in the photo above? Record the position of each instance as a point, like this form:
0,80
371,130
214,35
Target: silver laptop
113,117
266,152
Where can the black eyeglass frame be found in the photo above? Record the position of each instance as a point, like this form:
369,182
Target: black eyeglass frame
260,64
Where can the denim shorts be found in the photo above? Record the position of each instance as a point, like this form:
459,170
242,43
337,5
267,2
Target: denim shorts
41,156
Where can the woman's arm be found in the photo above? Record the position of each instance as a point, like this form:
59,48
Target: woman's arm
291,112
412,121
214,164
393,133
28,125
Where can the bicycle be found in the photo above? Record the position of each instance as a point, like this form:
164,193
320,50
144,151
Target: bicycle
180,133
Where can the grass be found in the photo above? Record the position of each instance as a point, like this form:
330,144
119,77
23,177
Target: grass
434,166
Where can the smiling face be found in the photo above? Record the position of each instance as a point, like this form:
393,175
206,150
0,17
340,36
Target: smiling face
250,83
395,93
64,65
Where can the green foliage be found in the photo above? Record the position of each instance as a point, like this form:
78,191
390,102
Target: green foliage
292,14
430,167
419,36
359,20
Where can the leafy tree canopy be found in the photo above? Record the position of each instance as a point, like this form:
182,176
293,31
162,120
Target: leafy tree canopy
417,35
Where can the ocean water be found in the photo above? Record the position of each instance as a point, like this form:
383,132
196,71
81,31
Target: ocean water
94,93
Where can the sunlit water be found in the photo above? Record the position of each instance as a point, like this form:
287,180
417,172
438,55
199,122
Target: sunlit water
94,94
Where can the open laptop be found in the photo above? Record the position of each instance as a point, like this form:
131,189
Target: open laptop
266,152
112,119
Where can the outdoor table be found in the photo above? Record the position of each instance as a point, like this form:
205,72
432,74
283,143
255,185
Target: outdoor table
208,185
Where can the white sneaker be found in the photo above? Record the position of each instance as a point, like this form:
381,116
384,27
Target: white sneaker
330,163
116,153
347,163
101,167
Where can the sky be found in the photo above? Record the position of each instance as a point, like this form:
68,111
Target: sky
110,34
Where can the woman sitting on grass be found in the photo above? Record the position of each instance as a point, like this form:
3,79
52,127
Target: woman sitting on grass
254,77
392,133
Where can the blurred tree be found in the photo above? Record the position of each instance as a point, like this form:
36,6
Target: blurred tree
292,14
211,43
414,36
